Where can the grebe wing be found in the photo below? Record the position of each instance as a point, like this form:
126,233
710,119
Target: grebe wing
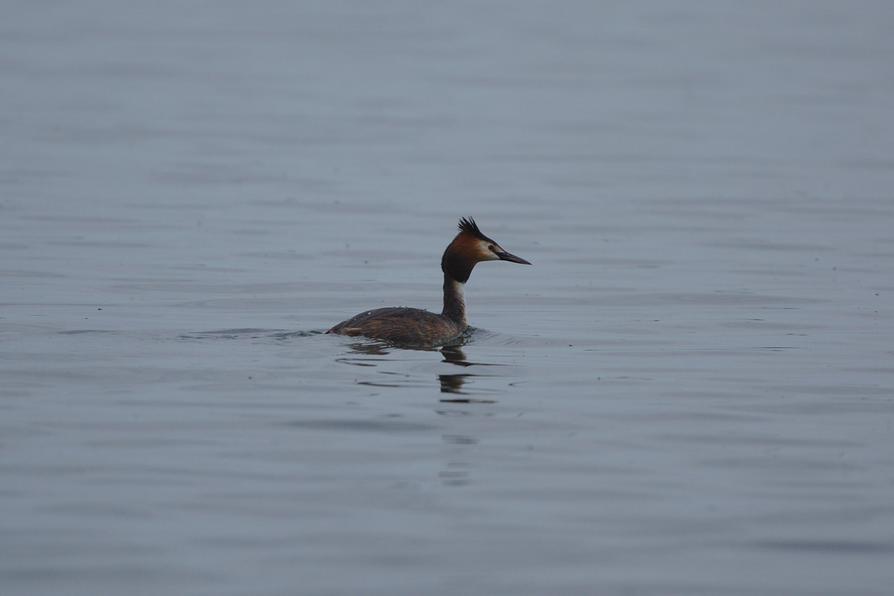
400,325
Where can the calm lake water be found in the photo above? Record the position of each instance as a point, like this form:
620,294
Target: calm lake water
691,392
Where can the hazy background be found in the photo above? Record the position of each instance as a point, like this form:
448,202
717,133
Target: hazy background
690,392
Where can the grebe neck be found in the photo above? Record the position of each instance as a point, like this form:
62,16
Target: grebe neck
454,305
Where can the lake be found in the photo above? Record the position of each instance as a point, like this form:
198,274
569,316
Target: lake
690,392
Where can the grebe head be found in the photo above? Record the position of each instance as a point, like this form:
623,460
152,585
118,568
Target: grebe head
471,246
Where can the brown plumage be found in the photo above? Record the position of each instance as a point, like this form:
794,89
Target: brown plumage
402,325
420,328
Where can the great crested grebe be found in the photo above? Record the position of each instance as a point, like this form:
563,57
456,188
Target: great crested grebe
417,327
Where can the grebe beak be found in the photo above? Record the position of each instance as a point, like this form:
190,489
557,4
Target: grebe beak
506,256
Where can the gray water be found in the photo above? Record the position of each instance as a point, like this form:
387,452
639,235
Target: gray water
690,392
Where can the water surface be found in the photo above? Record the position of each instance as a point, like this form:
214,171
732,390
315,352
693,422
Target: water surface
690,392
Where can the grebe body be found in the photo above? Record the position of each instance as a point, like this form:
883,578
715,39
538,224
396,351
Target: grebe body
417,327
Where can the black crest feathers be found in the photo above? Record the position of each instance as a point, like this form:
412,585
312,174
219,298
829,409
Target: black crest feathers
467,224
